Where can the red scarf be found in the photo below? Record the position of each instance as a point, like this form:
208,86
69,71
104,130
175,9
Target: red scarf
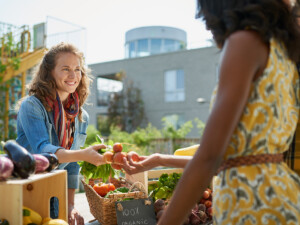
64,118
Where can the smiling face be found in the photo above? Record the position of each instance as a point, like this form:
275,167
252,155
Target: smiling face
67,74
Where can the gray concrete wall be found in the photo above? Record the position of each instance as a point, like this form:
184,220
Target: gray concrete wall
199,66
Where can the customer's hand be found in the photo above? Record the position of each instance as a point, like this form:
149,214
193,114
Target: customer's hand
92,156
74,217
145,163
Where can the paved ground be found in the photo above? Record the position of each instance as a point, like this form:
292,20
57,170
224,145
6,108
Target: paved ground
82,206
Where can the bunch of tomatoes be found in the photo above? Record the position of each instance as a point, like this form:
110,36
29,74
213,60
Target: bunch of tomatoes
116,156
116,159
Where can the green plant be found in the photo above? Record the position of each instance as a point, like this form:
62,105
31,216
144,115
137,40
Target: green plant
163,189
91,133
170,131
9,52
200,125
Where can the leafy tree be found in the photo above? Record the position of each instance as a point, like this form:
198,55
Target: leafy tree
126,109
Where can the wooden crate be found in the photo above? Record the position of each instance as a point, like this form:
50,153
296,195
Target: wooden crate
35,193
151,176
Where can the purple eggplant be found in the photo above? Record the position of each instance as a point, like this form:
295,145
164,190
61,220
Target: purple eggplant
41,163
6,167
24,162
53,161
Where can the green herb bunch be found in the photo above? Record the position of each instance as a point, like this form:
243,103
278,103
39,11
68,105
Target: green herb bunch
104,171
165,186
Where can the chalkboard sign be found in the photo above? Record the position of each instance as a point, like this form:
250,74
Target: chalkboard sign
135,212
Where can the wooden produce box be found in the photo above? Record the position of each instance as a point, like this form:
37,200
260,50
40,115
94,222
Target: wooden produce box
35,193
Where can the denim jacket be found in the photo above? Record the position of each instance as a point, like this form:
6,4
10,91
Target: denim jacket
36,133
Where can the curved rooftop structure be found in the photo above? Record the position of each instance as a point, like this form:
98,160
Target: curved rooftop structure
144,41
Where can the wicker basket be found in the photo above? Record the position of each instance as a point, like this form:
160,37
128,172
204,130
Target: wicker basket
103,209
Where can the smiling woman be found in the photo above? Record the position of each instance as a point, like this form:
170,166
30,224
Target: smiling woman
51,119
67,74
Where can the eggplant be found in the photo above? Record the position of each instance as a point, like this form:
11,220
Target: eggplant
41,163
24,162
6,167
53,161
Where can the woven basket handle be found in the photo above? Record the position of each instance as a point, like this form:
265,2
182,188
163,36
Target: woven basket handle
142,187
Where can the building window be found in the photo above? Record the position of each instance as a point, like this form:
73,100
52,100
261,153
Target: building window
176,120
174,86
106,88
169,45
132,52
142,47
156,45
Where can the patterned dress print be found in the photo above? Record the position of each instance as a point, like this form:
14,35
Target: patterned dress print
263,193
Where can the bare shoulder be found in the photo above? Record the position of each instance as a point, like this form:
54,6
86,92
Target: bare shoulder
248,37
250,45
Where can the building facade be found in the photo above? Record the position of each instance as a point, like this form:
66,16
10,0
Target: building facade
170,83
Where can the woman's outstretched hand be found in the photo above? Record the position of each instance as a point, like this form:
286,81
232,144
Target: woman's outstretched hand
92,156
136,164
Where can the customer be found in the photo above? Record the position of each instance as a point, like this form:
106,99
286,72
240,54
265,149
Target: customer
253,119
51,119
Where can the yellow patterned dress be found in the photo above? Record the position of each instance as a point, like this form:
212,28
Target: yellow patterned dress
263,193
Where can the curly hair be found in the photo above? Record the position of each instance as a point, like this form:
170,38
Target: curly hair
43,83
270,18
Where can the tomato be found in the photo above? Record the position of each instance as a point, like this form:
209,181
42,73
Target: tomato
116,166
134,156
111,187
108,157
101,189
117,147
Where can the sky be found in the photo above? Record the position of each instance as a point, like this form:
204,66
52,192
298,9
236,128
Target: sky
102,24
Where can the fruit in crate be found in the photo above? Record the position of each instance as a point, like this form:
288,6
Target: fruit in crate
41,163
24,162
49,221
200,214
53,161
31,216
6,167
